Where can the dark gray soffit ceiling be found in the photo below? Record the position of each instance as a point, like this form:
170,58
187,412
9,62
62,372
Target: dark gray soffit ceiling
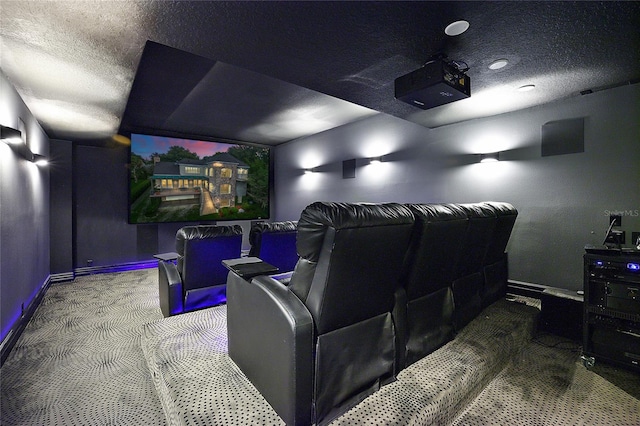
268,65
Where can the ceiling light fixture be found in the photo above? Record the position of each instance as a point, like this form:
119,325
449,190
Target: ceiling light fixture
456,28
498,63
526,88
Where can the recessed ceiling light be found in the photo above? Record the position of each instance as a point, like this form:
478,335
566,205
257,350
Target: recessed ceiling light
456,28
526,88
498,63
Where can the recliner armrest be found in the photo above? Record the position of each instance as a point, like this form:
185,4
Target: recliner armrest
270,334
170,289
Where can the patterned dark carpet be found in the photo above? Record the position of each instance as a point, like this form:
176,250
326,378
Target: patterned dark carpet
79,360
546,384
98,352
197,381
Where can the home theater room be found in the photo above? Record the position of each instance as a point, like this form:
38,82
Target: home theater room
319,213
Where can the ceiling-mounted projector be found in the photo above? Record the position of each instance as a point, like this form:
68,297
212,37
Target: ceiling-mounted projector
434,84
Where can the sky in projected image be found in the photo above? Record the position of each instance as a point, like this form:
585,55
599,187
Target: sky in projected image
145,145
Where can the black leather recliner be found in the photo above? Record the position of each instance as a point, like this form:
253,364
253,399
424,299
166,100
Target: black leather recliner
495,262
198,280
428,276
319,346
468,285
275,243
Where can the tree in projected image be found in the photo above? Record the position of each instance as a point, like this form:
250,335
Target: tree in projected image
258,161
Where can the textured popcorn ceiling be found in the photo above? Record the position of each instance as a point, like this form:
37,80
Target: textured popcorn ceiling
72,62
302,67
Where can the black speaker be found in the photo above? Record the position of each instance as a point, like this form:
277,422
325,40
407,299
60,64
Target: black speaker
563,137
561,313
349,169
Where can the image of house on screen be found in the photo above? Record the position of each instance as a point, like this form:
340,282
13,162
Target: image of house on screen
219,181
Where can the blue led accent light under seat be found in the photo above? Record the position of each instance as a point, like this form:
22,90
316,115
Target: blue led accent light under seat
633,266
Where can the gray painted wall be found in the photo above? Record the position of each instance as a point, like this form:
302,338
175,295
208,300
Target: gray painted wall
103,235
60,211
24,213
563,201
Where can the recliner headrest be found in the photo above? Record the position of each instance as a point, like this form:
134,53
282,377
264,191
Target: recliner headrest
437,212
201,232
262,227
317,217
477,210
501,208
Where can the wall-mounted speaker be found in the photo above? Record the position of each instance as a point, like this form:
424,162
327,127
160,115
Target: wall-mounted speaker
349,169
563,137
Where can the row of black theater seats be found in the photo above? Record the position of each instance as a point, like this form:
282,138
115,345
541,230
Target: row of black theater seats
376,288
198,278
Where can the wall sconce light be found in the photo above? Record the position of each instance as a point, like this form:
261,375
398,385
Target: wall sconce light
39,160
309,171
10,136
490,158
14,139
375,160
